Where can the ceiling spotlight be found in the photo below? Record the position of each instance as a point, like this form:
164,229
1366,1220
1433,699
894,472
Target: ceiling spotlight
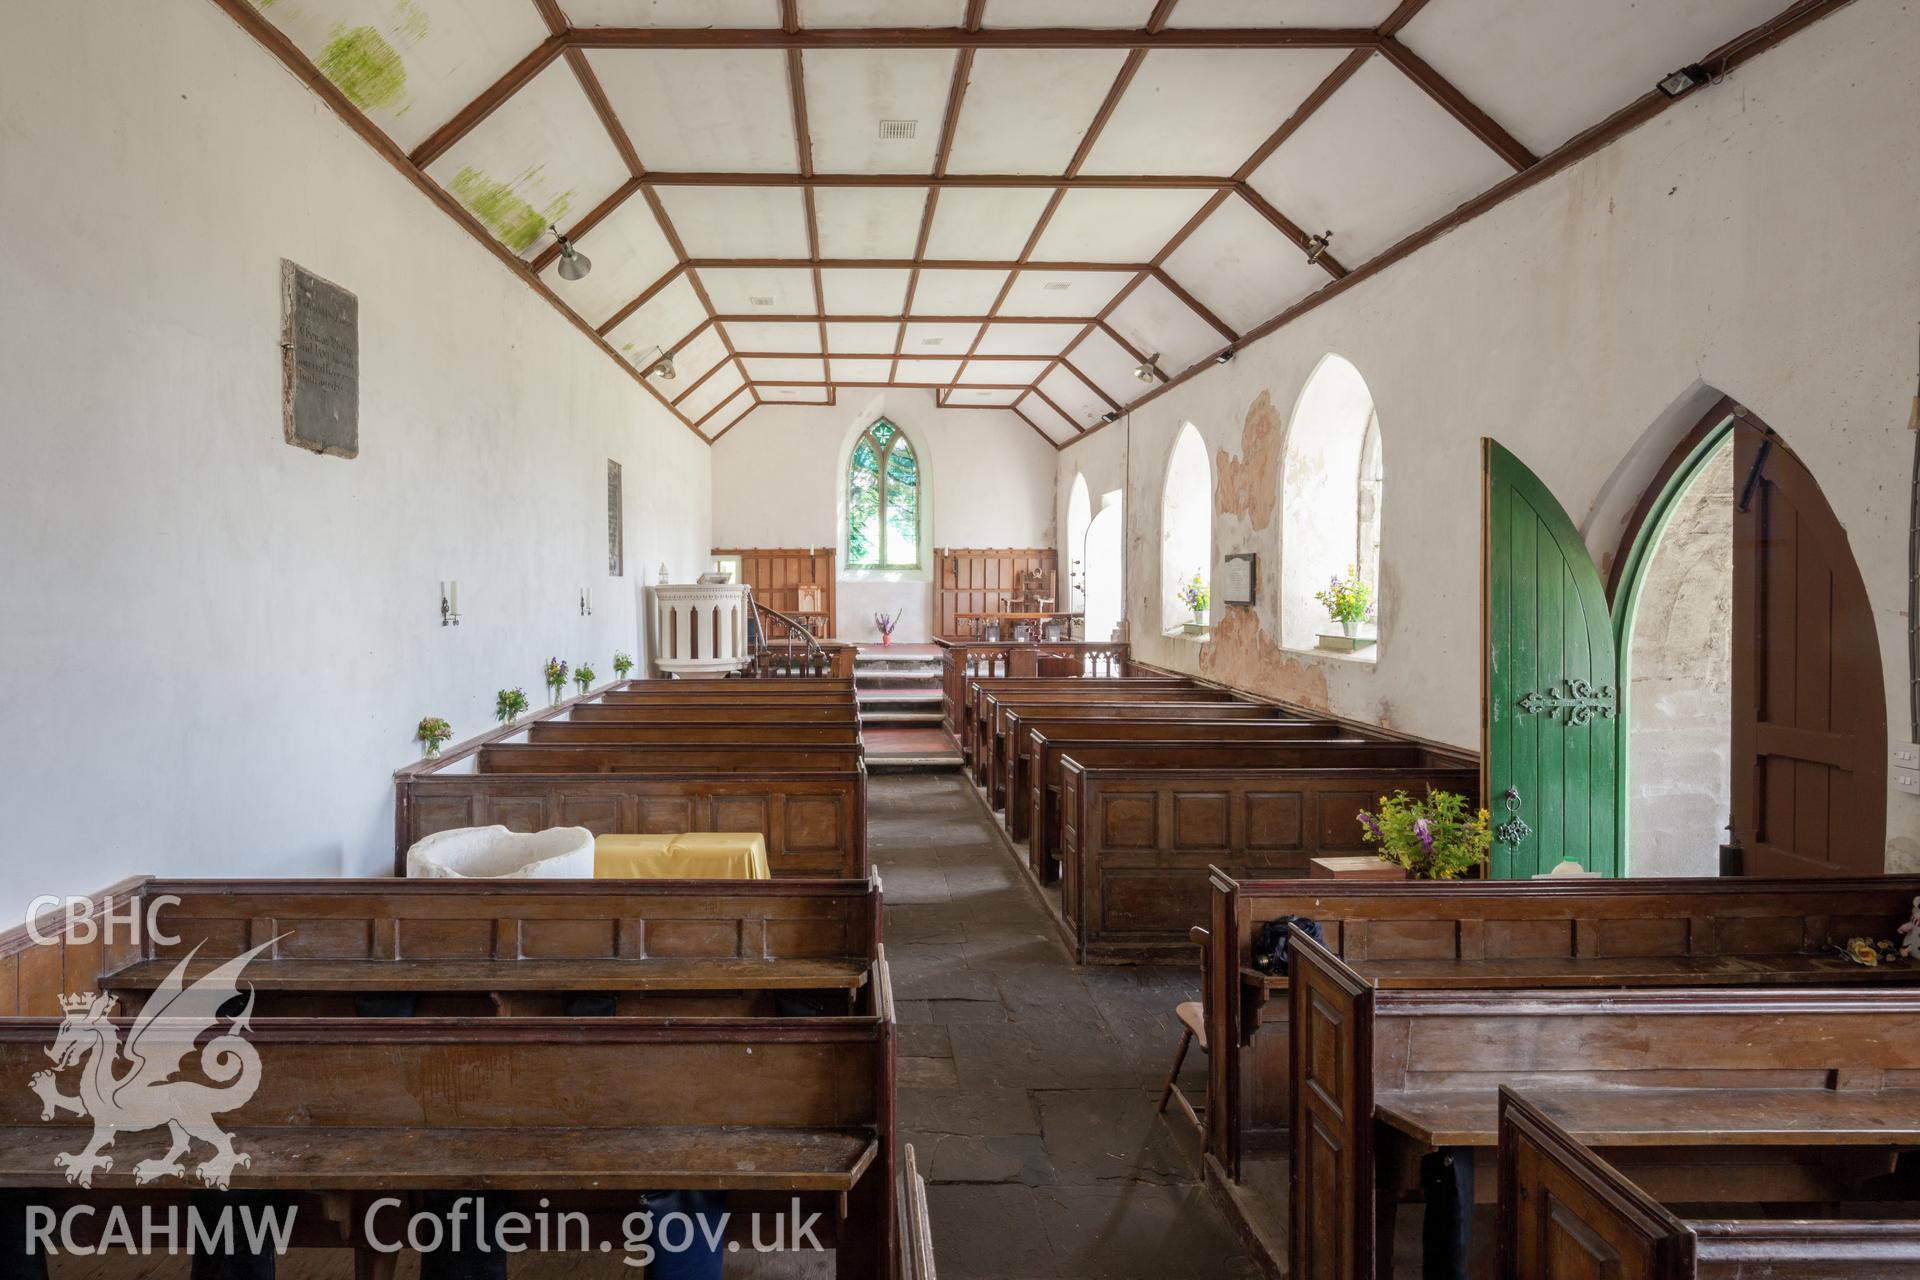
1145,370
1224,357
1317,245
1109,416
662,368
1690,76
574,264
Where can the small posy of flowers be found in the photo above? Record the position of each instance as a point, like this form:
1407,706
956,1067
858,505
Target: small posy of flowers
433,731
583,675
884,623
1194,595
1347,599
556,674
622,663
1439,837
1871,952
509,704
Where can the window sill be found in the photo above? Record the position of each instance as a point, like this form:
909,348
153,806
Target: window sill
1367,657
1188,631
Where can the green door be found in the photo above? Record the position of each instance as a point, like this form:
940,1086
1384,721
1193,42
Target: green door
1551,751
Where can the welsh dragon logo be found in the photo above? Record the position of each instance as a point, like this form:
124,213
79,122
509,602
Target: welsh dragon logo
129,1087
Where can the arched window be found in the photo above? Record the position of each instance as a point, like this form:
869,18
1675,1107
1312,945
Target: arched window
1332,485
883,501
1186,528
1079,516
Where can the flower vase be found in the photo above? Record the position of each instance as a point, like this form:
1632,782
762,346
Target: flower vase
886,638
1199,617
1350,627
432,752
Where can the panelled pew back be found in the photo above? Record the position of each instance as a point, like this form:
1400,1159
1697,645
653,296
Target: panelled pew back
1580,933
734,712
1141,823
1075,686
1564,1211
723,733
1385,1078
990,725
963,661
819,688
998,708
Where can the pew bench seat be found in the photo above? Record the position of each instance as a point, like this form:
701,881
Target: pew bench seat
1678,1117
378,1158
842,973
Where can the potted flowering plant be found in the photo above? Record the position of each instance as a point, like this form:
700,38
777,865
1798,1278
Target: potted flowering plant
622,663
583,676
1195,596
1348,600
885,623
434,732
1440,837
556,675
509,704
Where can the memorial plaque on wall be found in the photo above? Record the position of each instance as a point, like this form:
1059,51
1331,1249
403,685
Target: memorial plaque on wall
320,363
616,543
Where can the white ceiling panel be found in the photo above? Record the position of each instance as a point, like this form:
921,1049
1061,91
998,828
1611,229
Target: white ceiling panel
741,291
628,251
1109,365
1241,268
940,371
984,395
542,156
1063,293
667,317
1074,396
1281,13
993,223
851,91
793,395
869,222
952,292
735,409
1068,13
861,337
738,222
1378,160
702,110
1094,224
1548,69
773,335
1003,372
862,370
712,393
764,370
864,292
882,13
1042,415
411,65
1027,339
938,339
693,361
673,13
1153,320
1206,110
1026,110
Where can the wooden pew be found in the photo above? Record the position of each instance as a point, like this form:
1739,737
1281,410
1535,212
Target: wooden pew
1754,1095
990,726
1033,786
1142,823
509,947
965,660
720,690
1595,933
657,757
969,732
916,1233
735,712
1564,1211
546,732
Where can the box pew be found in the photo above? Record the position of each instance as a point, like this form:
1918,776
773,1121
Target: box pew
1033,793
1594,933
1143,823
1765,1095
735,712
990,727
548,732
969,733
532,1111
1564,1211
513,947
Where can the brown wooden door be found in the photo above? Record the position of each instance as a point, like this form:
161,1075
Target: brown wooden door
1809,702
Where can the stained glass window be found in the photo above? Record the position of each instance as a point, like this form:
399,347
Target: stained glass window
883,501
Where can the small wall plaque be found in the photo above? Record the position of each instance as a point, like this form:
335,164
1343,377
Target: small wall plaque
1238,578
320,363
616,523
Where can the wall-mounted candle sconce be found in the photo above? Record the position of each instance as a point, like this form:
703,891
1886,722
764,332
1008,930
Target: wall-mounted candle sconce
586,602
449,604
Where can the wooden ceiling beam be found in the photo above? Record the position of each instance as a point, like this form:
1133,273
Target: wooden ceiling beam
1137,39
641,299
1456,104
943,154
1290,229
1401,16
441,140
883,355
894,317
1054,444
928,264
588,221
736,178
744,413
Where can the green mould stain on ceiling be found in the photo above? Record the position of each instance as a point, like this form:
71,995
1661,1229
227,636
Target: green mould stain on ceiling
364,67
503,210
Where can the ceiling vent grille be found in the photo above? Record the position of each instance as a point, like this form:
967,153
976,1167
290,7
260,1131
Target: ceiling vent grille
760,302
1056,286
898,130
931,342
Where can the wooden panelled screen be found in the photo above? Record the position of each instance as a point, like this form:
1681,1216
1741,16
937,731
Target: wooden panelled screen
776,575
979,580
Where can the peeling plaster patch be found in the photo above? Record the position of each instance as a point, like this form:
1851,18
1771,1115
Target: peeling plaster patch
1242,654
364,67
1247,484
507,215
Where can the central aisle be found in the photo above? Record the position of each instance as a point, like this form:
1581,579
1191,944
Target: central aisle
1027,1088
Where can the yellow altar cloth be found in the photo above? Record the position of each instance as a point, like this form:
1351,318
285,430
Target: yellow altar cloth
696,855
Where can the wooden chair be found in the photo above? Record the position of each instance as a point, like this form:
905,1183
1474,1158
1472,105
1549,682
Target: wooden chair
1193,1026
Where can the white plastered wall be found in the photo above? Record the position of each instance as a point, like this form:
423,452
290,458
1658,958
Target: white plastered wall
779,480
217,646
1757,239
